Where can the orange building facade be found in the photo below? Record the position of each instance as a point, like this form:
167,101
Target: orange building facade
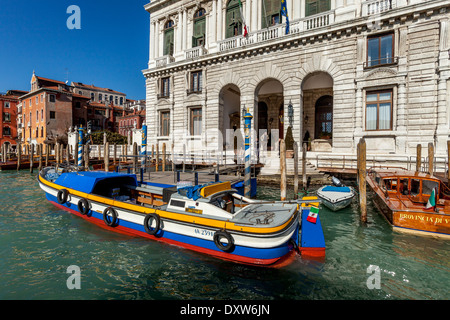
52,107
8,121
46,111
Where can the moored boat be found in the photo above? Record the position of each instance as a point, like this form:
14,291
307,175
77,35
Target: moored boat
337,196
412,201
211,218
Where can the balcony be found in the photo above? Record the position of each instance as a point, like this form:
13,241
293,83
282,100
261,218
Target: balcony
164,60
278,31
373,7
195,52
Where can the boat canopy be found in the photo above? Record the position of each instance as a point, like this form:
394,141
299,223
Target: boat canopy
87,181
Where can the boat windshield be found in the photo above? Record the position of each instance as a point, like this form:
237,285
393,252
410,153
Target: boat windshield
428,186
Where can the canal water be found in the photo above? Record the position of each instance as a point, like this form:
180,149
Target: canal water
38,242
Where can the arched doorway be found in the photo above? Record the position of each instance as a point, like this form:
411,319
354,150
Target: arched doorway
324,118
229,114
270,110
317,92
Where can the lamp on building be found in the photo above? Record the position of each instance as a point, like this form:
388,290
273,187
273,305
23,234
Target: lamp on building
290,113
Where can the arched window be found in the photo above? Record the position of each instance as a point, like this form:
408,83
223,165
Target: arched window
233,19
198,36
168,38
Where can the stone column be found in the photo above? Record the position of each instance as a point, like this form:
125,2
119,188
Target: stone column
212,25
184,28
254,19
219,20
152,40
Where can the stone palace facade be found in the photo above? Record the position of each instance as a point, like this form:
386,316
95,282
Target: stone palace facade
335,72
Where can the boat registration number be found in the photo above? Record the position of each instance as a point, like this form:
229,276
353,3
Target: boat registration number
203,232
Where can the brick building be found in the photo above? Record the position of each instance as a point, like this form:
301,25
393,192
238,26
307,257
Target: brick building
8,123
52,107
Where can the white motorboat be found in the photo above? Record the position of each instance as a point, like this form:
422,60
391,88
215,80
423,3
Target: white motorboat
337,196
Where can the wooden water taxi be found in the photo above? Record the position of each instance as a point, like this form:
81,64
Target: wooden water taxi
206,218
412,201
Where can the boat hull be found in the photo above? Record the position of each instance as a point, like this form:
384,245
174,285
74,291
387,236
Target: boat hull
336,206
256,249
336,201
421,222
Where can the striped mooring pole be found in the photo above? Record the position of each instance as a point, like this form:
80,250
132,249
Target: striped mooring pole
80,147
247,177
144,144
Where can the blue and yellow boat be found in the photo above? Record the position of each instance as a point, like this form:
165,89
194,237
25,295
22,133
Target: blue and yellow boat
213,218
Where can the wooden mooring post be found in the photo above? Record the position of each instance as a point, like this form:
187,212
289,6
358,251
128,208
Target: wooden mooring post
430,158
41,146
164,157
19,155
31,157
362,179
418,157
283,170
47,152
107,155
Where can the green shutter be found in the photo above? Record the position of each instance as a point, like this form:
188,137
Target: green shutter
233,18
317,6
269,9
199,31
168,41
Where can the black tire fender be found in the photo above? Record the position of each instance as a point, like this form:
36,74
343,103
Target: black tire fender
148,222
62,196
106,218
229,246
83,206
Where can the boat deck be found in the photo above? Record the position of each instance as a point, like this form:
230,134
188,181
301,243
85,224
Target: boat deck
170,177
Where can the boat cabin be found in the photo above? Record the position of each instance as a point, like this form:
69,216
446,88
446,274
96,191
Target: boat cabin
416,186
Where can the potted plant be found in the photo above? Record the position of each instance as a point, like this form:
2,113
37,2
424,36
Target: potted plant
289,140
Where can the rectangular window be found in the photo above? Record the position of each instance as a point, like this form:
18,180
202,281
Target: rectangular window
52,115
6,104
165,87
165,123
380,50
379,110
52,98
7,131
316,6
196,81
196,121
6,116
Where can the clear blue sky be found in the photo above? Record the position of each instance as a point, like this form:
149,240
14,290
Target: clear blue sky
110,50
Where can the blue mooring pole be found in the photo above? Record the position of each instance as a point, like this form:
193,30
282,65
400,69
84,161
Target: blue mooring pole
247,177
80,147
144,144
